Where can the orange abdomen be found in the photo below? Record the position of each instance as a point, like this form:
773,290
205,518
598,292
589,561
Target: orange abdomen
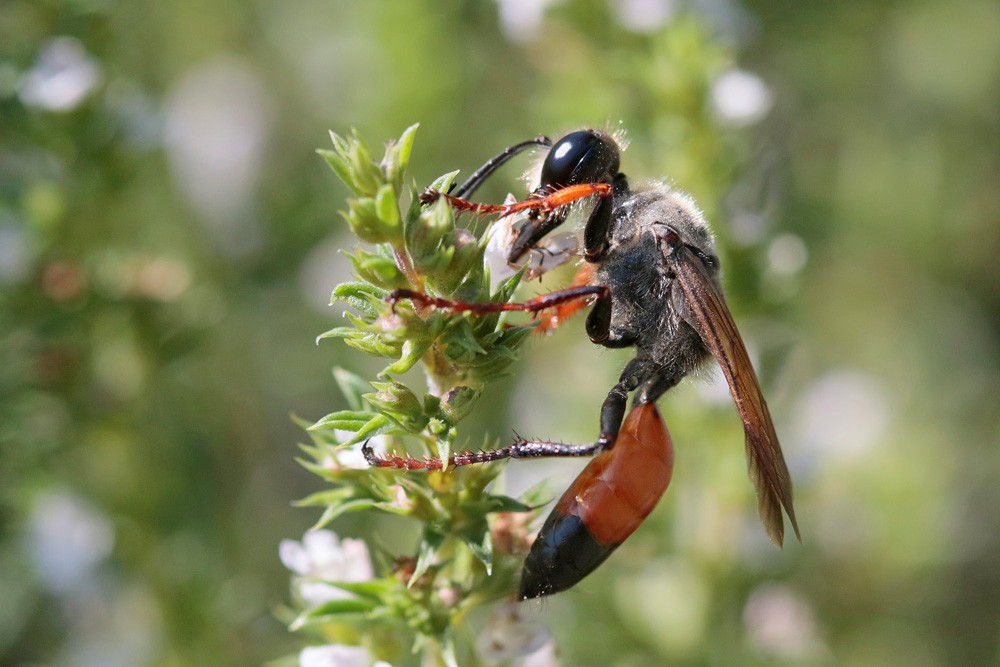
603,506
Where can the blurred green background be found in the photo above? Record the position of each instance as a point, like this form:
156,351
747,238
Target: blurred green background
168,241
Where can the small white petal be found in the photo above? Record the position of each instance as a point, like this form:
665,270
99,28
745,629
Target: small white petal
544,256
293,556
787,254
353,458
546,656
322,557
781,623
508,635
335,655
216,125
644,16
520,20
323,547
68,538
357,561
315,593
15,253
500,237
842,415
62,77
740,98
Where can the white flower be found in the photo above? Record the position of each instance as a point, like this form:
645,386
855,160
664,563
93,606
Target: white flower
547,656
338,655
323,557
520,20
501,238
509,636
352,458
400,498
780,623
545,255
740,98
68,538
62,77
16,253
644,16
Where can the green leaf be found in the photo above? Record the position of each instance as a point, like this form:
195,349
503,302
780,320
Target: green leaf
443,183
505,290
387,207
434,263
333,511
352,386
331,610
412,351
339,166
367,174
397,401
405,145
514,336
400,156
344,420
360,324
363,220
424,235
375,589
443,449
448,651
481,548
341,332
497,503
426,553
375,345
358,290
377,269
323,498
461,336
319,469
377,425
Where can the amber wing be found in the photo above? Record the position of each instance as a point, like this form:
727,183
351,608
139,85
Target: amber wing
708,314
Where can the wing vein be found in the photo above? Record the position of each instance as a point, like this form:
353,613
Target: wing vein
711,318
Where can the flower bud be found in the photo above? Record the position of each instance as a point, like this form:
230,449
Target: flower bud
424,238
363,220
397,157
457,403
367,175
396,401
377,269
462,252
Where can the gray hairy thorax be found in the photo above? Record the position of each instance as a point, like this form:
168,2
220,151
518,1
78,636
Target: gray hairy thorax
648,310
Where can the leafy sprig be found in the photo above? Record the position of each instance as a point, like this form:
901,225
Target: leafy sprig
455,564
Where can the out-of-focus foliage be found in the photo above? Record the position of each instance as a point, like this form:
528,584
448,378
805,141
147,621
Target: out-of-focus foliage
168,241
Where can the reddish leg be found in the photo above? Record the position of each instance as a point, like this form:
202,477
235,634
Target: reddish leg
597,327
546,204
612,413
519,449
566,310
536,305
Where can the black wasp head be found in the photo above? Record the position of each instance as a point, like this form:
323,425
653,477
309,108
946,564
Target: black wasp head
586,156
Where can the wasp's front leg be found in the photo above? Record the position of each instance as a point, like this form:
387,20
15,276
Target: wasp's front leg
534,306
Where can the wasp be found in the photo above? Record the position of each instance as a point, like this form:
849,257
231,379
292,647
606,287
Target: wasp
652,277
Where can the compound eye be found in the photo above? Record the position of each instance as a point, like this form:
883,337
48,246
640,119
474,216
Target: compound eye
581,157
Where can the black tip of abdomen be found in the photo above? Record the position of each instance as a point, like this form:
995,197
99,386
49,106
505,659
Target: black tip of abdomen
563,553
